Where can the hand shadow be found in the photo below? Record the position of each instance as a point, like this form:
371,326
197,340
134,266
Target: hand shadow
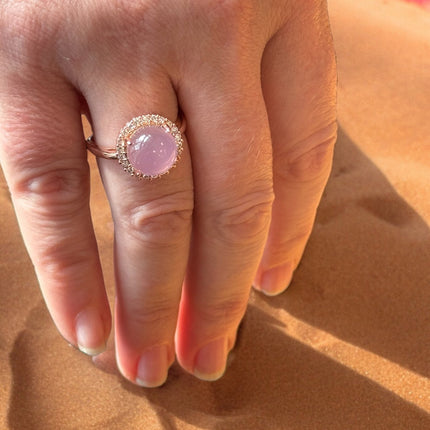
276,382
365,275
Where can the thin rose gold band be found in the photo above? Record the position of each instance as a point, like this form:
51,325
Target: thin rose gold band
110,154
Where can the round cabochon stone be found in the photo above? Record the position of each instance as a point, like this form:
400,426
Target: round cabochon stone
152,150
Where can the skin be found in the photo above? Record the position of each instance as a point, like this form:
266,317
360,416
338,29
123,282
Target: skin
255,80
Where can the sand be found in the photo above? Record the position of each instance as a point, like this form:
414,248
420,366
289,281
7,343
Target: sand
346,347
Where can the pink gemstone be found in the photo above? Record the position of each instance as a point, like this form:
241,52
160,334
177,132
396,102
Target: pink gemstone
152,150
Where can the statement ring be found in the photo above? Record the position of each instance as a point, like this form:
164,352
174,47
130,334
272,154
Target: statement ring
147,147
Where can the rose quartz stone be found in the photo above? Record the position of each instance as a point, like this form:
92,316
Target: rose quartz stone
152,150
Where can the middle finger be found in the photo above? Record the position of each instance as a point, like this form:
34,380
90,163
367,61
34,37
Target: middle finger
232,166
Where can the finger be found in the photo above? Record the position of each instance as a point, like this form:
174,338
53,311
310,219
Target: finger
152,221
44,160
299,81
232,165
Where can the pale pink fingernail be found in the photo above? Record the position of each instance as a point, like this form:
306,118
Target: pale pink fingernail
276,280
90,333
153,366
211,360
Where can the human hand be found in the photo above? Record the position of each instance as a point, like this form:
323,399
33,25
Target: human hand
255,81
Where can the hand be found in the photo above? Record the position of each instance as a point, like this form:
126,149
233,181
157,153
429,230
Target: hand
255,81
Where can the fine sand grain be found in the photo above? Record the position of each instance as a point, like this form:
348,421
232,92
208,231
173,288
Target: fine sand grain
346,347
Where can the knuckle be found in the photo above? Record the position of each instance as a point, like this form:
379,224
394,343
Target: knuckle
56,193
246,222
62,263
311,158
164,221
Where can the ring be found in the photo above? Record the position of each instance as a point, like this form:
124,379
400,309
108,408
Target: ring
147,147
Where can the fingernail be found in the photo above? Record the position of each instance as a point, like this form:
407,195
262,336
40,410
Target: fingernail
210,361
276,280
153,367
90,334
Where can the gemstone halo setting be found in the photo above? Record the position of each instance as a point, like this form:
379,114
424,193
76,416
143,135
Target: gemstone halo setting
149,146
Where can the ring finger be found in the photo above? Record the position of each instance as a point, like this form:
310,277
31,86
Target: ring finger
152,221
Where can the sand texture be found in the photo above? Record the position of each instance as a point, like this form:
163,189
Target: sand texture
346,347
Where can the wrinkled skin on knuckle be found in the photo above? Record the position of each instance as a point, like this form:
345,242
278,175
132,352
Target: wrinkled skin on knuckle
312,164
311,159
247,222
161,229
55,193
162,222
60,263
45,183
